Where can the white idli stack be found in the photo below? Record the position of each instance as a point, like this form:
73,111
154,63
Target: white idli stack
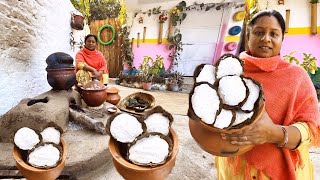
46,155
125,128
232,101
158,120
205,73
41,150
51,134
150,149
26,138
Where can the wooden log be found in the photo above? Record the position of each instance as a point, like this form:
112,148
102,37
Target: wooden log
314,18
138,40
170,28
160,33
79,116
287,20
144,34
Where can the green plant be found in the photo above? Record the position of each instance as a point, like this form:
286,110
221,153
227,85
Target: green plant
126,49
176,78
314,1
309,63
290,58
149,71
97,9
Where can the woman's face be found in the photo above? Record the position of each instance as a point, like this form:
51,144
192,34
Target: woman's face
91,43
265,37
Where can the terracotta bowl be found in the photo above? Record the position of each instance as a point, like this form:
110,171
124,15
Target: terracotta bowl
32,173
134,172
209,138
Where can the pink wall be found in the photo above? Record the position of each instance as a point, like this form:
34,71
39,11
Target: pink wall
151,50
309,44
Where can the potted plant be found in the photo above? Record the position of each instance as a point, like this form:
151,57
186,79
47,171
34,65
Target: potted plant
314,16
309,64
290,58
175,81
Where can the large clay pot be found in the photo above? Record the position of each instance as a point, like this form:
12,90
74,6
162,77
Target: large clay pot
209,138
113,96
93,93
134,172
32,173
61,78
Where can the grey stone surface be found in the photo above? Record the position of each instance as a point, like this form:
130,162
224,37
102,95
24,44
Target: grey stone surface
38,115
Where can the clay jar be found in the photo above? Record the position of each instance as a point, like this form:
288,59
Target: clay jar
93,93
209,137
135,172
61,78
32,173
112,95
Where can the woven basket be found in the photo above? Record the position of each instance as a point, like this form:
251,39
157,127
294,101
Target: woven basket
145,96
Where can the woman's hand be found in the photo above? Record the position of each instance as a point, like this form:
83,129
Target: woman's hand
263,131
98,74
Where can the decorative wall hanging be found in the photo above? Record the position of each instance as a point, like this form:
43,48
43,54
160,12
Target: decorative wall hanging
281,2
113,34
138,40
144,34
77,20
235,30
230,46
287,20
314,4
239,16
162,19
140,20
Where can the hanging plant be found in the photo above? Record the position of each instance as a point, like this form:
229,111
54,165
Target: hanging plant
126,48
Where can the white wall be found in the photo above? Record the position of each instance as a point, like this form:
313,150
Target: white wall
300,11
30,32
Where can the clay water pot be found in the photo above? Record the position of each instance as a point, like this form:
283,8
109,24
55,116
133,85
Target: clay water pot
93,93
32,173
61,78
134,172
209,137
112,95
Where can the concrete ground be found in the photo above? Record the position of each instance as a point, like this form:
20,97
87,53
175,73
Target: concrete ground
89,158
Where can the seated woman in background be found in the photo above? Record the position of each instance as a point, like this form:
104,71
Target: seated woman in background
90,62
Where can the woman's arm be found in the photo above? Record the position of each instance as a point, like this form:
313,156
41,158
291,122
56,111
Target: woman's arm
265,131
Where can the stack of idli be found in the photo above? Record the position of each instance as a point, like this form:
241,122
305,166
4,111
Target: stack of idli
145,140
40,149
222,96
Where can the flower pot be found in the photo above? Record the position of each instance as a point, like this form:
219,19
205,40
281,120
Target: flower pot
134,172
61,78
209,137
314,18
32,173
77,22
146,86
173,87
112,95
93,93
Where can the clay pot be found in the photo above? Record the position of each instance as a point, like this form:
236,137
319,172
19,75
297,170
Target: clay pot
32,173
112,95
134,172
61,78
146,86
93,93
173,87
209,138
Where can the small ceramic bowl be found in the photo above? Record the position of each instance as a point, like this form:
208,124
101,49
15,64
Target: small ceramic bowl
112,110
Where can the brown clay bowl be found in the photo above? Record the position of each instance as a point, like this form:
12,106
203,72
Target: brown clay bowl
61,79
32,173
209,137
134,172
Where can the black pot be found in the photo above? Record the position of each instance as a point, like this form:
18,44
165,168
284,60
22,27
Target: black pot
59,60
